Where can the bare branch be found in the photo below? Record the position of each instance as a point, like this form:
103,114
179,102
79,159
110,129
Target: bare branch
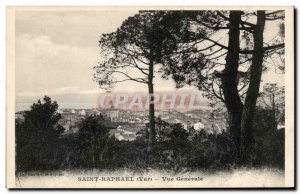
216,43
274,12
273,47
141,80
222,16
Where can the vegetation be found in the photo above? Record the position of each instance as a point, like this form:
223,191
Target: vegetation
188,47
40,146
134,47
37,138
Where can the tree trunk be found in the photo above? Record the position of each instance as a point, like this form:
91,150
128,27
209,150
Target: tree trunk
247,146
274,114
151,107
229,79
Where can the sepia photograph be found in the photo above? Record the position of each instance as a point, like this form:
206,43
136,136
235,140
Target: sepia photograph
150,97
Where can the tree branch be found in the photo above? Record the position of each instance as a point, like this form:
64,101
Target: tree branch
277,46
131,78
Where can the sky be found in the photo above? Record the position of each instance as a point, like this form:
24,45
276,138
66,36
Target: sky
57,50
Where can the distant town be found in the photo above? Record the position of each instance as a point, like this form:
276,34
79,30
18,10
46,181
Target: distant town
126,125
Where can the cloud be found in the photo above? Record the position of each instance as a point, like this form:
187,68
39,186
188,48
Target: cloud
61,91
63,71
76,28
56,51
42,65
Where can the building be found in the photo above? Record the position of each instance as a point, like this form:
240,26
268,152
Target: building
68,116
123,135
82,112
198,126
113,114
20,116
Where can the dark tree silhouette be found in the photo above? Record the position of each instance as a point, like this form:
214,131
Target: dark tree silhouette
223,53
272,98
258,53
38,136
256,68
229,72
95,145
130,53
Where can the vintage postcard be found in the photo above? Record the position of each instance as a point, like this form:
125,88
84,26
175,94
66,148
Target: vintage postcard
150,97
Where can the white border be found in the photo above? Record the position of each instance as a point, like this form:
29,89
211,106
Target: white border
4,3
